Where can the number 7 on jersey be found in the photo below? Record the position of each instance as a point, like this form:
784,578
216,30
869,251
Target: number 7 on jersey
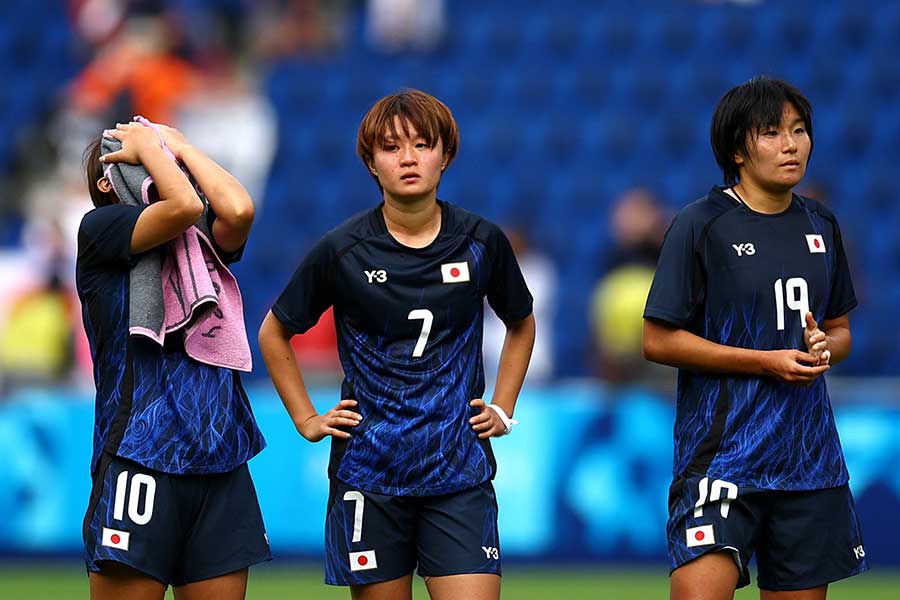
427,319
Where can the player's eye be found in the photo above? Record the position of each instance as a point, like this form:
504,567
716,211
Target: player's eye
421,145
391,147
770,133
800,130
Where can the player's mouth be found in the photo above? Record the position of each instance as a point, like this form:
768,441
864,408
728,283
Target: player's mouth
791,163
410,177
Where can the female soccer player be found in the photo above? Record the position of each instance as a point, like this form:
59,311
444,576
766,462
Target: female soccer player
746,275
411,461
172,500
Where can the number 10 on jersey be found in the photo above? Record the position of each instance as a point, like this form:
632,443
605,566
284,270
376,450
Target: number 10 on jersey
797,293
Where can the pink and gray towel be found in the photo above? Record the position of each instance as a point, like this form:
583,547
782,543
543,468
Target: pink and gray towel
181,287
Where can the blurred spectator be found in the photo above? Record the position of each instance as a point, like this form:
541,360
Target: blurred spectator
398,25
234,124
36,346
541,277
290,27
138,71
617,302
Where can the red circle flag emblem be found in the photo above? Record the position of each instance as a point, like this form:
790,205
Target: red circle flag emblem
363,560
817,243
114,538
454,272
699,536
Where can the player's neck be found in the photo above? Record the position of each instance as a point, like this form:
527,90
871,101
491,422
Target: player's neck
415,224
761,200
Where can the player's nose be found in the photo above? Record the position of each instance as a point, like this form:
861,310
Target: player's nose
407,156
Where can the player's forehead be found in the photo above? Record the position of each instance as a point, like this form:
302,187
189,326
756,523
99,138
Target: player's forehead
398,128
774,115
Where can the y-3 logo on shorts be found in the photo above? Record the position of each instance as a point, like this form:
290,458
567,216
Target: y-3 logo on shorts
491,552
859,552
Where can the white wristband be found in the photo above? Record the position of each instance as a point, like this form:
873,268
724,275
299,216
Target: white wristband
507,422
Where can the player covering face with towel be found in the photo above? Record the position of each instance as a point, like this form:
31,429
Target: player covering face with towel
172,501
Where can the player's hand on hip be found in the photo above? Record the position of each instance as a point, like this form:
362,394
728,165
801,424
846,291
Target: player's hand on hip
317,427
487,423
137,141
793,366
816,340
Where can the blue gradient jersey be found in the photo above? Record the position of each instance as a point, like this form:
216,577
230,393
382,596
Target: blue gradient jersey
745,279
154,405
409,325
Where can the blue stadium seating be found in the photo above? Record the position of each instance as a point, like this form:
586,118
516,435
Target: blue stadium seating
564,105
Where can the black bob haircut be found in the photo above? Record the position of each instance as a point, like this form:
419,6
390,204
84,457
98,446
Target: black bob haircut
749,109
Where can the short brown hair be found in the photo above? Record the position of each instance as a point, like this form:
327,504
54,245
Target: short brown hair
93,169
429,116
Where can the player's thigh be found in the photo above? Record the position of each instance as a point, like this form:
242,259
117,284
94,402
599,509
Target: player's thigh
709,517
231,586
713,576
394,589
475,586
117,581
456,534
812,538
369,537
818,593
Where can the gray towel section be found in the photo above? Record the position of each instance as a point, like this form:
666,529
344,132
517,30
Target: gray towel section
147,310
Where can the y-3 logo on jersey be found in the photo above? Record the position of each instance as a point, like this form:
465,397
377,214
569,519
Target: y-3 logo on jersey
380,276
744,249
491,552
859,552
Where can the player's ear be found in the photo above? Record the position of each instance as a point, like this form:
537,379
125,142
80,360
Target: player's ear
104,185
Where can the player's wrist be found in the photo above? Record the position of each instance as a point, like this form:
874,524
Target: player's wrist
508,422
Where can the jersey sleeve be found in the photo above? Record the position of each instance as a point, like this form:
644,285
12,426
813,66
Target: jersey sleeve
842,298
678,284
104,237
310,292
507,291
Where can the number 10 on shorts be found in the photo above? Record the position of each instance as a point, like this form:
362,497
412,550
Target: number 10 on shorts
139,483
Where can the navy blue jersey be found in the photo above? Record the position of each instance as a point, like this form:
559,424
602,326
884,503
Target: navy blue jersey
409,324
155,405
746,279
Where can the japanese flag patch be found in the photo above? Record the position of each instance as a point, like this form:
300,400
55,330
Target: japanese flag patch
816,244
457,272
363,561
114,538
700,536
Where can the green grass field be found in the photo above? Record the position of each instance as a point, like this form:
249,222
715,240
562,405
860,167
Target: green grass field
304,582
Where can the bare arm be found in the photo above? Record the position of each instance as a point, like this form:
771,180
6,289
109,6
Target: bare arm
178,208
275,344
514,359
669,345
229,200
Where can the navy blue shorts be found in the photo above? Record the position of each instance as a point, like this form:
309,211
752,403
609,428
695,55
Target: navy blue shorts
371,538
801,539
175,528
